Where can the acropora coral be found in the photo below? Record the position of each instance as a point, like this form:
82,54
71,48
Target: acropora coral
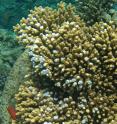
35,105
77,60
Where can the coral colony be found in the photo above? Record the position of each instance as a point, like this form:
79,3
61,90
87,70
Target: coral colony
94,11
79,63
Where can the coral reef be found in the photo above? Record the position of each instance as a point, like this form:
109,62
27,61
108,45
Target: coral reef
94,11
64,49
9,51
77,60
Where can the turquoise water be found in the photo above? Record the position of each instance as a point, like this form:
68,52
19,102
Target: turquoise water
11,11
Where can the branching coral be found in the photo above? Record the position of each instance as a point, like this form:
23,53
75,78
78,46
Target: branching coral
43,106
80,61
104,38
54,60
38,106
35,105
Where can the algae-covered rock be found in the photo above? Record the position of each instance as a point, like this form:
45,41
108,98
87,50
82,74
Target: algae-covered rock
16,77
9,51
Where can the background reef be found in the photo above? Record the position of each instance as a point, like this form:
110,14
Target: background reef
68,74
11,11
9,52
91,11
94,11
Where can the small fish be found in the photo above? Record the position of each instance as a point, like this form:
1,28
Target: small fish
11,110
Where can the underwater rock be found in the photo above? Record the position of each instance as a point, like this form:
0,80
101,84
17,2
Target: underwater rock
16,77
9,51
